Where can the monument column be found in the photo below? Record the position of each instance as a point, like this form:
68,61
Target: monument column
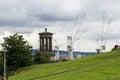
40,44
50,44
46,44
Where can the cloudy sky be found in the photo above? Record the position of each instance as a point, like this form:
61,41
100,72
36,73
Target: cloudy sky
88,21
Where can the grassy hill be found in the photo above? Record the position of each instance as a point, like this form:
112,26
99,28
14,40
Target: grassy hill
105,66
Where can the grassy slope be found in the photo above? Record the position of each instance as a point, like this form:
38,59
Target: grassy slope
100,67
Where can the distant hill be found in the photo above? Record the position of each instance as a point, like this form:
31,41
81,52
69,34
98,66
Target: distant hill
62,52
34,51
105,66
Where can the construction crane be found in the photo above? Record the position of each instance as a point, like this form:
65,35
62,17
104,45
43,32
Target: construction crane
73,35
108,30
104,35
70,47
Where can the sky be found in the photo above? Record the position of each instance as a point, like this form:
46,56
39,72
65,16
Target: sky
90,22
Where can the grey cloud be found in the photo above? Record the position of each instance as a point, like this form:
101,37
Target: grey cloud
13,23
96,8
54,18
98,36
49,12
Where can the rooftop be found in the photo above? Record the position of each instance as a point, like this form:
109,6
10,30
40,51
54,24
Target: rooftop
46,32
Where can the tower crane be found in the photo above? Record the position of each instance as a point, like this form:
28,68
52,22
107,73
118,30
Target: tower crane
104,34
72,37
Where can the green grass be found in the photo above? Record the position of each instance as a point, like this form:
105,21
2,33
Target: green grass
105,66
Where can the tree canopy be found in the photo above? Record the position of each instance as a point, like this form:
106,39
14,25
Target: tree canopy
43,57
18,52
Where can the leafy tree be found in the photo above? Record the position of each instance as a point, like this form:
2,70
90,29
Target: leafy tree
18,52
43,57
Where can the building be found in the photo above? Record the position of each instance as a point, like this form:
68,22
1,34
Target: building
45,41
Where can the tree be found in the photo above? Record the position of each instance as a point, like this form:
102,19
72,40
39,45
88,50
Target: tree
18,52
43,57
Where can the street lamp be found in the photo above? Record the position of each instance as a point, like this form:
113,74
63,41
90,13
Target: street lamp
4,64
